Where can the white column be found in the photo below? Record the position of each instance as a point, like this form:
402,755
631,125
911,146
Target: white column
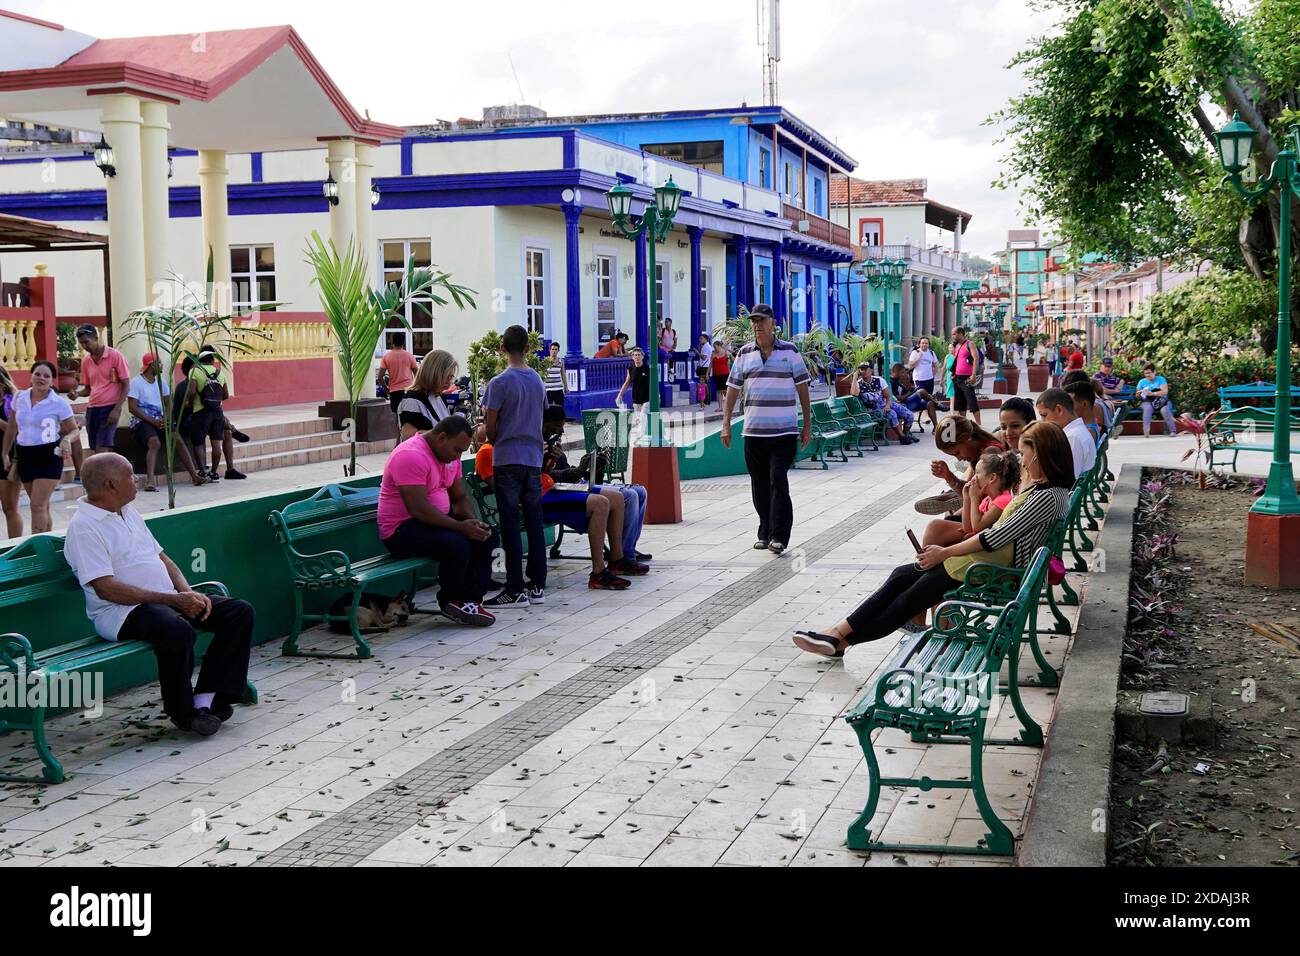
365,217
918,310
956,239
342,161
157,213
120,118
214,209
215,214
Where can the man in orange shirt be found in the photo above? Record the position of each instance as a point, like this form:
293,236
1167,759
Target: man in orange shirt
399,368
615,347
105,378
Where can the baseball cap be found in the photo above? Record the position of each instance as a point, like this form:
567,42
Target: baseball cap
147,360
88,330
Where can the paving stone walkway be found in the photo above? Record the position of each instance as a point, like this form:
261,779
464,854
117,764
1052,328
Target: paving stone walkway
671,724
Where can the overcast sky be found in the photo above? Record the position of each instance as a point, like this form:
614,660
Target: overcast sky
903,87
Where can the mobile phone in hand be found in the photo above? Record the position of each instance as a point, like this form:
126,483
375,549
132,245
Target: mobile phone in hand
911,536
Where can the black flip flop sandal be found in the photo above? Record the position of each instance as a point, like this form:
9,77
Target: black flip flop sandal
822,640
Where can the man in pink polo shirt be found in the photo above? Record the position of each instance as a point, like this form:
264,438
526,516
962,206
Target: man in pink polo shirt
425,511
105,378
965,364
400,367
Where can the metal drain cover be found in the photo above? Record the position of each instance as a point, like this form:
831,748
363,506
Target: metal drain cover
1164,704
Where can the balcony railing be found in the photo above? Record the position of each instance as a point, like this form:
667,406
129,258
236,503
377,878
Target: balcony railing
818,228
918,256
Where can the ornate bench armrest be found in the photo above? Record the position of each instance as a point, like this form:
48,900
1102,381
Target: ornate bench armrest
322,565
992,577
16,649
212,588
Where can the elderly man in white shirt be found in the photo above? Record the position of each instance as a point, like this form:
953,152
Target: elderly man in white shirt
135,592
1056,406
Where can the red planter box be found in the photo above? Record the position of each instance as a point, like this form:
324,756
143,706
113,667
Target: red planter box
1038,377
1012,384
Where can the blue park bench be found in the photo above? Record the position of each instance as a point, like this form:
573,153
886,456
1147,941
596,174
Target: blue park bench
1245,421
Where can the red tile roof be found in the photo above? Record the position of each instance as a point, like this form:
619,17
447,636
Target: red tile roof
875,192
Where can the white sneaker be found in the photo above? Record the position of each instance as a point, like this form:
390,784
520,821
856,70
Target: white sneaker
536,596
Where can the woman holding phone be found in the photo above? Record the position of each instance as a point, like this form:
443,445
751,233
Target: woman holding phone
1047,468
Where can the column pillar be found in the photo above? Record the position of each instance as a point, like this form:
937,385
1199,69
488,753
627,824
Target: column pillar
342,160
744,285
918,307
155,203
780,295
572,282
905,309
120,118
956,238
697,306
642,337
215,224
365,216
809,311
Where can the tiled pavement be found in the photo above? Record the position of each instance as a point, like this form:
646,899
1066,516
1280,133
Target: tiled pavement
671,725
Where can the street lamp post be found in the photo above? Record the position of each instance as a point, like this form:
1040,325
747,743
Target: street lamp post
1273,526
885,274
654,461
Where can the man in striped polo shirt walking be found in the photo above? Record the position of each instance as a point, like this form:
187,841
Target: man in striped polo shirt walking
772,375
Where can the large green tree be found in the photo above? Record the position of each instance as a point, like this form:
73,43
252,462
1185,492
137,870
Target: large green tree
1113,140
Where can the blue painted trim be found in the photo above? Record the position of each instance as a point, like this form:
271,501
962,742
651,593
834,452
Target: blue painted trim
255,161
408,155
572,281
642,294
697,305
570,150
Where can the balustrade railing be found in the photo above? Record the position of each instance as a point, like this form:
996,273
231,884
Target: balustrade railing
265,339
18,339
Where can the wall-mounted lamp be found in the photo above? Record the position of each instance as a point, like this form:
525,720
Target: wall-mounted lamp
103,154
330,189
628,270
374,195
679,275
171,170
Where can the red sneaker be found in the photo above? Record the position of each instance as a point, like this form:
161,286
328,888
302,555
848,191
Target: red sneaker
607,581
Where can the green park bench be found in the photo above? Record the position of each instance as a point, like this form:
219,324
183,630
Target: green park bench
857,406
862,423
823,440
1246,428
1259,395
841,432
339,512
36,581
939,687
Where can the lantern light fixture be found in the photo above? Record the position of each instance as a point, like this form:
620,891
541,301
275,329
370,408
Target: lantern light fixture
103,154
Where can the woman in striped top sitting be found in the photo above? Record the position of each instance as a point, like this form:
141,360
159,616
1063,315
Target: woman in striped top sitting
1047,473
555,384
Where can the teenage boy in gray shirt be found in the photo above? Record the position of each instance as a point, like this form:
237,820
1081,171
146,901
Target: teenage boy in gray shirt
514,402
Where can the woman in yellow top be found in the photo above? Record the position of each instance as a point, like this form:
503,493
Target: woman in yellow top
1047,470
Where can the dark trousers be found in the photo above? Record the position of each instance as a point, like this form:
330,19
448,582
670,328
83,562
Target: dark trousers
720,388
464,566
555,397
768,462
225,665
519,490
907,592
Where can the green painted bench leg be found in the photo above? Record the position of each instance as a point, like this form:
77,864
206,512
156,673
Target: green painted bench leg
1068,595
1062,623
250,693
999,839
1031,735
859,835
52,771
363,649
290,646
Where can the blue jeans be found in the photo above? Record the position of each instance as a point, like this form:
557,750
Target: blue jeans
901,417
633,517
519,489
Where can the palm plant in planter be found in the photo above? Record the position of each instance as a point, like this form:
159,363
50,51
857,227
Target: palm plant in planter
358,314
181,331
